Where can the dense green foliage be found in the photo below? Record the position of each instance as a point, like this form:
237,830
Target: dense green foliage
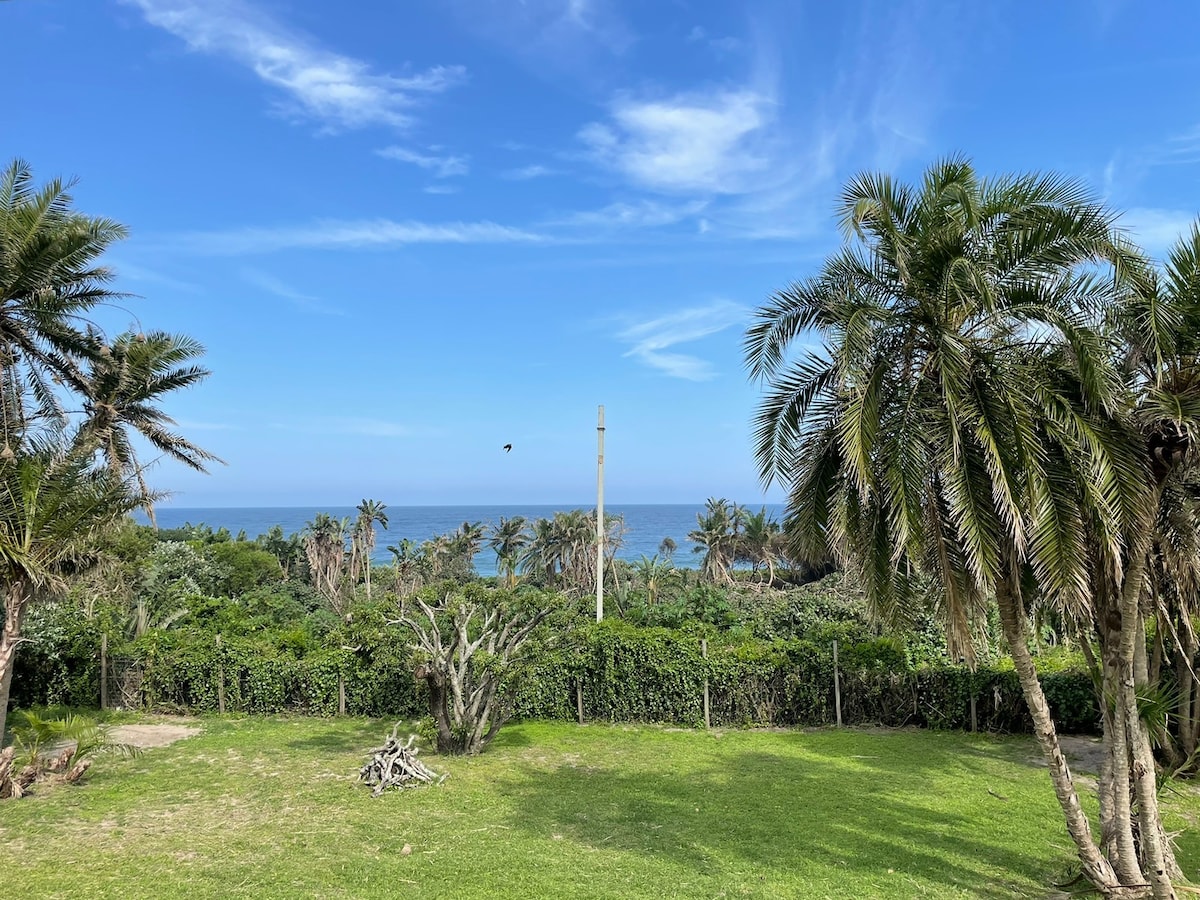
769,658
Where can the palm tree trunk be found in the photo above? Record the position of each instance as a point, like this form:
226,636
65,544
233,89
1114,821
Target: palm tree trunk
1119,840
1095,867
1159,860
16,599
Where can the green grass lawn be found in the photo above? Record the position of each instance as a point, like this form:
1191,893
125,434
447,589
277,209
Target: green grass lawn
271,808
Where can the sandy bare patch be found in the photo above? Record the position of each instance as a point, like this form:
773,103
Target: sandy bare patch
146,736
1083,752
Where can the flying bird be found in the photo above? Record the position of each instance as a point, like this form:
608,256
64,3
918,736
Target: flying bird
507,448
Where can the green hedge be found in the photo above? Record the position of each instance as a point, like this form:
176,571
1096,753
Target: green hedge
632,674
182,671
627,674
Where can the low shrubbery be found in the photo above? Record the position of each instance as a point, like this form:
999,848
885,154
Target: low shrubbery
622,672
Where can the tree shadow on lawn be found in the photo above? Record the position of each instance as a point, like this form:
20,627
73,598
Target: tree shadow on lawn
791,819
351,737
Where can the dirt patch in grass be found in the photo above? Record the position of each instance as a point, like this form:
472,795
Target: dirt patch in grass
1084,753
146,736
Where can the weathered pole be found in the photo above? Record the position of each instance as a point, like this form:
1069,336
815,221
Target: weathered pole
600,516
104,671
837,686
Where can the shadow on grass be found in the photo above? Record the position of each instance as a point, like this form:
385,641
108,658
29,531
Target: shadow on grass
511,737
350,738
793,819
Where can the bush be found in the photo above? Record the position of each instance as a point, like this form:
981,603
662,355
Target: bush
626,673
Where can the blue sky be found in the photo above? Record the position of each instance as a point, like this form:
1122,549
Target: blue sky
411,233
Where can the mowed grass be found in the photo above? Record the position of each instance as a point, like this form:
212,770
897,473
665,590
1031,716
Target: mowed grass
271,808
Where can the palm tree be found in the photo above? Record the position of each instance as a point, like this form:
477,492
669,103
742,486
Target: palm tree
652,571
54,504
760,544
541,555
325,549
407,561
667,547
575,538
960,420
465,544
1159,331
717,535
509,538
362,540
48,279
122,385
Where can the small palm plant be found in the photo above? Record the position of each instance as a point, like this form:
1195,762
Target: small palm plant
55,748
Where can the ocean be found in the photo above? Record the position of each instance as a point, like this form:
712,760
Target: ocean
646,524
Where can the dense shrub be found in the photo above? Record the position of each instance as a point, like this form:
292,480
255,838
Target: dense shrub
625,672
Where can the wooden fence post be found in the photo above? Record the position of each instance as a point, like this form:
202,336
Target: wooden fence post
974,716
341,694
579,698
220,677
104,671
837,687
704,654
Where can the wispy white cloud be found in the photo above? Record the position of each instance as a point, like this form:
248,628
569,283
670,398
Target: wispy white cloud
559,34
651,341
528,173
440,166
1157,230
272,285
337,90
720,45
344,235
441,189
137,273
638,214
705,142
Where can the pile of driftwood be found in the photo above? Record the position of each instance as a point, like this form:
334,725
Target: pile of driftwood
396,765
15,781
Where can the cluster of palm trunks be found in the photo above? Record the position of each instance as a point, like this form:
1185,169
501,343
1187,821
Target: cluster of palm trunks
14,781
396,765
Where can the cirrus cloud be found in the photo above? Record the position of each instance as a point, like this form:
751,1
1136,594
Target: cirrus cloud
337,90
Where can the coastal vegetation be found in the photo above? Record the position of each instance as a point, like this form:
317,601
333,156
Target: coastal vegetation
66,476
982,412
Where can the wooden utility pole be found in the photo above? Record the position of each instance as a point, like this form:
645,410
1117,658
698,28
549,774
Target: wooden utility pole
600,516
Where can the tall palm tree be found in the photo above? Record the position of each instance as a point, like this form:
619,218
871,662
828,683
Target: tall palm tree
465,543
49,279
960,419
407,561
122,385
362,540
54,504
717,535
542,555
760,544
325,549
575,539
509,538
1159,331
